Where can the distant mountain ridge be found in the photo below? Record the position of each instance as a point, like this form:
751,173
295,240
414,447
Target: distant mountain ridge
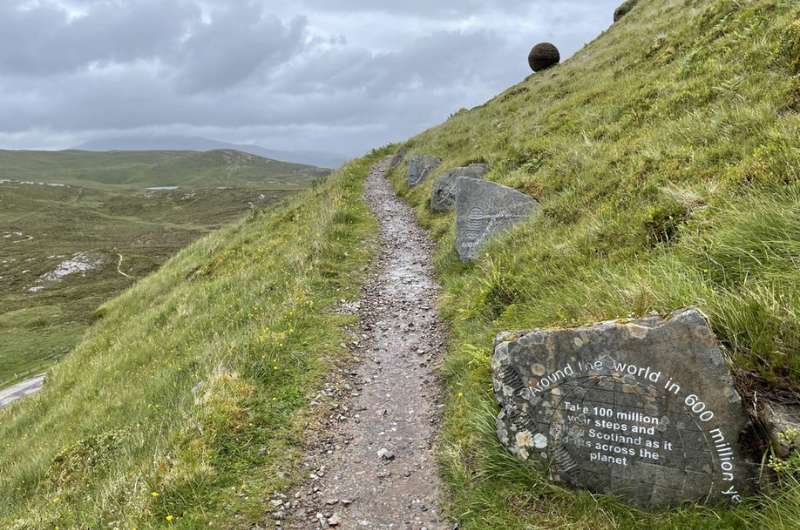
156,168
196,143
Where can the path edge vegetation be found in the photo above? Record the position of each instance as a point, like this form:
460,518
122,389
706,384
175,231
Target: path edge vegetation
186,404
666,156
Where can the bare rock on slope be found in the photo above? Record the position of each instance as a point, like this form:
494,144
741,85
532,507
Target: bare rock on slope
443,196
624,9
419,167
484,210
783,426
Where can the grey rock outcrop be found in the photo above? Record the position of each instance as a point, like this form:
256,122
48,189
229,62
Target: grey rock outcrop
783,426
644,409
397,158
443,196
484,210
419,167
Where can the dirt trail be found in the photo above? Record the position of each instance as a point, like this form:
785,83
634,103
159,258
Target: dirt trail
377,469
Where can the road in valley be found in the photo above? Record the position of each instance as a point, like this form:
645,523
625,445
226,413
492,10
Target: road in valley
20,390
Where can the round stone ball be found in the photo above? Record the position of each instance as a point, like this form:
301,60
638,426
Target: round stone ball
543,56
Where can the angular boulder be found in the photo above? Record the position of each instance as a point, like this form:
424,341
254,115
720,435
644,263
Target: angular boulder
443,196
644,409
782,422
484,210
397,158
419,167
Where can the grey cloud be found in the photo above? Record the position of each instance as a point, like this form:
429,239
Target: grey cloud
43,40
343,75
417,7
437,60
238,42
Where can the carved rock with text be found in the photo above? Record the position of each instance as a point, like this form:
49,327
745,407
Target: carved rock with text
644,409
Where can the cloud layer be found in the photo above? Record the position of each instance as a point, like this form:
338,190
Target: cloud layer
336,75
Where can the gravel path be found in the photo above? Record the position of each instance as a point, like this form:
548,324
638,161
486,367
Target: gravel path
376,469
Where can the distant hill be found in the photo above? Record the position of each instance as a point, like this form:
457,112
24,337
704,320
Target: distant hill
139,169
195,143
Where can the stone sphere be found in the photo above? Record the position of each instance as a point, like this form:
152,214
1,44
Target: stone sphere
543,56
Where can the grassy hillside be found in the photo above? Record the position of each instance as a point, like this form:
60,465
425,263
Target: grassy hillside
666,155
132,231
184,405
141,169
55,205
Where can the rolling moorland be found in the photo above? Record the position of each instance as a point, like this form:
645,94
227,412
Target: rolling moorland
140,169
56,206
666,156
194,143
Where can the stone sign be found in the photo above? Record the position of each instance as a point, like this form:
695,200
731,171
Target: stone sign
485,209
419,167
645,409
443,196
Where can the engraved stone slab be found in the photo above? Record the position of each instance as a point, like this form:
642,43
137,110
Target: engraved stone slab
419,167
485,209
645,409
443,196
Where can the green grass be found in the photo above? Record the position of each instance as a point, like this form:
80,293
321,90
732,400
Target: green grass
31,347
145,228
140,169
184,406
666,156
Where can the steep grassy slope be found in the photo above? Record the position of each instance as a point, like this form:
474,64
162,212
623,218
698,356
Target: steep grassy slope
666,155
184,405
131,231
155,168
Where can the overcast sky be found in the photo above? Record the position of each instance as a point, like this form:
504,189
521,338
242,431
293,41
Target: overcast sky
332,75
